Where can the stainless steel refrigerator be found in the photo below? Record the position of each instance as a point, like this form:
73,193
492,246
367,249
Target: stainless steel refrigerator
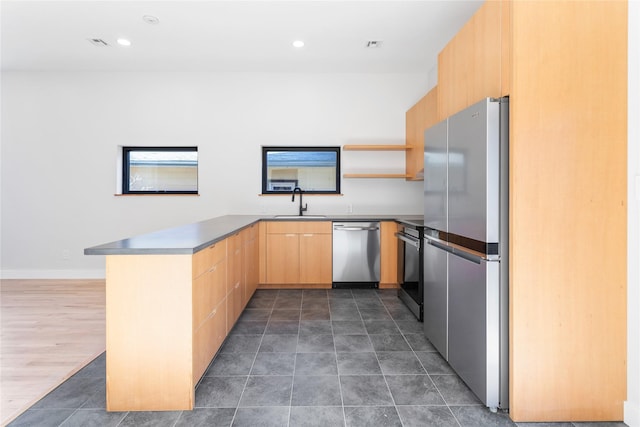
466,301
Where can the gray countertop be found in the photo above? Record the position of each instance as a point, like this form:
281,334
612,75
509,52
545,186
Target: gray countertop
190,238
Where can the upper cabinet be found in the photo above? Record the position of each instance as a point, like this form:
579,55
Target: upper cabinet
421,116
475,63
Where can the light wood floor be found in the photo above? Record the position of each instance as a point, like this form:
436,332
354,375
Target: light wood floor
49,330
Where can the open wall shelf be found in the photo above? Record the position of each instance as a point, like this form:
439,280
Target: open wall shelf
375,175
376,147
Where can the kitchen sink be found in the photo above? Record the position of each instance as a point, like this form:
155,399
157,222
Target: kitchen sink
300,217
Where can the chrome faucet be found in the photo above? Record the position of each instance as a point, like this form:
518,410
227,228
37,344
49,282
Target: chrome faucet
293,198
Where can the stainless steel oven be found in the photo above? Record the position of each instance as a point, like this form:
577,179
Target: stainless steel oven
410,268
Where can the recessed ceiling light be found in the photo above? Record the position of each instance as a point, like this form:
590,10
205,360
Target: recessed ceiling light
298,43
124,42
150,19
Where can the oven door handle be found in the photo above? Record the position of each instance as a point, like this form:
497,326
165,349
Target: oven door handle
408,239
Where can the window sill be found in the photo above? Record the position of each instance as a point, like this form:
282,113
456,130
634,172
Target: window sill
304,194
155,194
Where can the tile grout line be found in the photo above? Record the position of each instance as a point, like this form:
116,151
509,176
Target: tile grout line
427,373
344,412
235,412
395,406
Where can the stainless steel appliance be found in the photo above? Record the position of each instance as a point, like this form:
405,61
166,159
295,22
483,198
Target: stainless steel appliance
410,267
356,254
466,254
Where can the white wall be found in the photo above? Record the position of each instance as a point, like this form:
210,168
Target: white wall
632,405
60,132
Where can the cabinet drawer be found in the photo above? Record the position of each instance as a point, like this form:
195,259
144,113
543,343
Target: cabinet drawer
206,258
234,261
250,233
234,243
297,227
209,289
207,340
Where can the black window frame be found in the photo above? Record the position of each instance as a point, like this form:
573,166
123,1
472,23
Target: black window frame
266,149
126,172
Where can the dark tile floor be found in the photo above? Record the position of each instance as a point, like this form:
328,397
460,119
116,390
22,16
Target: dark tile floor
302,358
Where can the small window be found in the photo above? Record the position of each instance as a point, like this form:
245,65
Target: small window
312,169
159,170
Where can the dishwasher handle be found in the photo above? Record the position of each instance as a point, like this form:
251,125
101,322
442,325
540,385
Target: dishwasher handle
354,228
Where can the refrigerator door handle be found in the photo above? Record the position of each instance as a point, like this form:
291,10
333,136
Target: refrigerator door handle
468,256
457,250
438,244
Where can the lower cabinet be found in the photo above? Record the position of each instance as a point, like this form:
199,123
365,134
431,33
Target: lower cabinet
235,279
168,315
209,300
299,253
242,277
251,262
283,258
315,259
208,338
388,254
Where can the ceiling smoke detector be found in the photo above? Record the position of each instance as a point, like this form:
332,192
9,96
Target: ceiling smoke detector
374,43
98,42
151,20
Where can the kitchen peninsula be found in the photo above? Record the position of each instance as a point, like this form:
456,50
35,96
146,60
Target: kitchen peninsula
172,296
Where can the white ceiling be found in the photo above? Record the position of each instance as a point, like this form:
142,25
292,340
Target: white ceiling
216,35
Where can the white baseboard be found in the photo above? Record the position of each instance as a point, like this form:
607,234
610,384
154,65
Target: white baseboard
632,413
52,274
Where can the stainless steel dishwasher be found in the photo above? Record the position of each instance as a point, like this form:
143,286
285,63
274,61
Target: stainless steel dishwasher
356,254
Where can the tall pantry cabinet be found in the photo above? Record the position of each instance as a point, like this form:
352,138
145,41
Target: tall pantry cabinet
564,66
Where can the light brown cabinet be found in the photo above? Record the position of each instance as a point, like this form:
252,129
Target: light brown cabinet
568,143
388,255
251,267
420,117
235,279
298,253
209,283
208,338
283,258
475,63
242,277
315,258
209,304
167,316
